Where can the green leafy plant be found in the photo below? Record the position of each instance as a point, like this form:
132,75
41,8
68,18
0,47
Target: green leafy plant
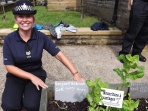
94,96
131,70
129,104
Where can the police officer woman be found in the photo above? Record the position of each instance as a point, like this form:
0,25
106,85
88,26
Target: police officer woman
22,53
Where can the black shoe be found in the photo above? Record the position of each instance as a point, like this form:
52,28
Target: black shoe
142,58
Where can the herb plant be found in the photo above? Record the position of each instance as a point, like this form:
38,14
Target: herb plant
131,70
129,104
94,96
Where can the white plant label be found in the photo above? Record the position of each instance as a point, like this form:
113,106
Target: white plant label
112,98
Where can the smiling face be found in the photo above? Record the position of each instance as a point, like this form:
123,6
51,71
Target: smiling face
24,22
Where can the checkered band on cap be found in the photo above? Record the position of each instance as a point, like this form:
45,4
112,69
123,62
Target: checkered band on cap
23,7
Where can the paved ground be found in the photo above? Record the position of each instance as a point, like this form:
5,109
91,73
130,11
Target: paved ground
91,62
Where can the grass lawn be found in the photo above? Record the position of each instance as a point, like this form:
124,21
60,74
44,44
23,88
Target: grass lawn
52,17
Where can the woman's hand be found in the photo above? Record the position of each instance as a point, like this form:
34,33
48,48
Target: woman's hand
77,77
38,82
26,75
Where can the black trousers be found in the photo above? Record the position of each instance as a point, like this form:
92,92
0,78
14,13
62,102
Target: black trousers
136,36
20,93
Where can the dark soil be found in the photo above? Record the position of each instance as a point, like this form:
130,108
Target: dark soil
143,105
82,106
68,106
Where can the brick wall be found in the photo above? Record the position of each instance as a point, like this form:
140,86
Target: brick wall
63,4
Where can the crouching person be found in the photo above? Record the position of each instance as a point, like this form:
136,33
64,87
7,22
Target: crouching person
22,54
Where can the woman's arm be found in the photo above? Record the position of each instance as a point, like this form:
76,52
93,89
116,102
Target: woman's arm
26,75
62,58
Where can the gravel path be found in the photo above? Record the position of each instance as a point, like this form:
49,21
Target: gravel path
91,62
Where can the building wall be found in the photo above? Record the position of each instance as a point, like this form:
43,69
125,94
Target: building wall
105,9
63,4
102,8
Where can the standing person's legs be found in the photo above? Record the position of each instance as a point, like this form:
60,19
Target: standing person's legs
32,96
135,25
142,38
13,94
140,42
